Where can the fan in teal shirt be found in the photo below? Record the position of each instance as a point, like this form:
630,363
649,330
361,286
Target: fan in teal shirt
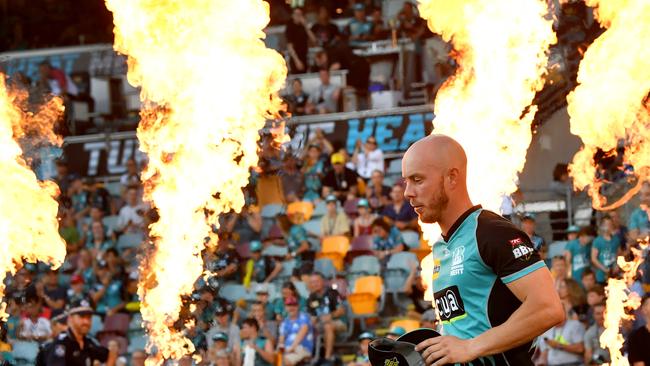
578,254
604,250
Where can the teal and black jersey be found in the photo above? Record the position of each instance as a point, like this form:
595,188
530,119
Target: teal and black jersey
480,255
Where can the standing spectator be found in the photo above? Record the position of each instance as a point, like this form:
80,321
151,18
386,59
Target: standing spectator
619,230
638,223
563,344
223,324
340,181
262,269
292,179
34,326
335,221
298,36
327,312
107,293
578,253
359,29
296,334
313,170
298,100
324,30
288,291
377,193
363,222
379,29
361,358
51,292
327,97
131,216
400,212
605,250
595,354
638,350
368,158
256,349
130,179
387,240
528,226
588,280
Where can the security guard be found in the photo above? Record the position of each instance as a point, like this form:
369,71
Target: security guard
74,347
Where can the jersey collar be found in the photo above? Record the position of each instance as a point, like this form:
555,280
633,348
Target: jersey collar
459,222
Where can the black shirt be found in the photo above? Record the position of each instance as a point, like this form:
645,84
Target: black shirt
325,34
326,303
297,36
638,347
65,351
340,182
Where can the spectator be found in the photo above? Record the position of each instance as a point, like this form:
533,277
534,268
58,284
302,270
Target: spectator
267,328
295,238
340,181
292,180
298,36
78,199
578,253
222,324
415,289
313,170
97,241
363,222
98,197
138,357
69,232
571,295
77,290
359,29
130,218
220,341
618,229
52,294
638,223
377,193
327,312
638,341
605,250
296,334
34,326
256,349
563,344
588,280
572,232
335,221
262,296
221,358
400,212
410,24
225,264
245,226
561,187
197,337
395,332
324,30
288,291
298,100
528,226
361,358
130,179
319,139
379,29
262,269
559,269
595,296
58,324
327,97
55,81
387,240
368,158
107,293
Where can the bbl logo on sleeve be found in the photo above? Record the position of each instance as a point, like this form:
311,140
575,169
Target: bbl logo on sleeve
449,304
520,249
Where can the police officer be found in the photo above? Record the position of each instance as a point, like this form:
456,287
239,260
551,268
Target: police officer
74,347
59,325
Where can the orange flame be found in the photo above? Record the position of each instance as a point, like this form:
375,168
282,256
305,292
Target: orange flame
502,49
620,304
29,230
208,86
610,103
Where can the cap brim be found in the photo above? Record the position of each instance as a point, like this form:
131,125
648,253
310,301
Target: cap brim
418,335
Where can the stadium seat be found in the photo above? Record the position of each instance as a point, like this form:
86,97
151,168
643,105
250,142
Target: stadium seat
397,271
556,248
233,292
408,324
275,251
312,227
24,352
116,323
411,239
138,342
271,210
285,274
319,210
341,286
365,265
110,222
366,301
135,325
114,188
325,267
335,248
402,260
304,207
127,241
361,245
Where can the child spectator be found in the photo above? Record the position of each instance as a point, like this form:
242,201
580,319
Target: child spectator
578,253
387,240
335,221
363,222
361,358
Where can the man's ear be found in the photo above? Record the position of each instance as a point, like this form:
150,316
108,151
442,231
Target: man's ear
453,175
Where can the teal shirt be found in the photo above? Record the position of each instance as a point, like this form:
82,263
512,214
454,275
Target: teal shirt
639,221
260,342
607,250
482,253
580,258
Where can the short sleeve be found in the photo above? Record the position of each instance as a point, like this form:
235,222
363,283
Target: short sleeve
507,250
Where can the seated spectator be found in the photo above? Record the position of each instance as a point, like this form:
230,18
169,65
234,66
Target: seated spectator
619,230
256,350
85,267
327,97
51,292
295,238
34,326
368,158
340,181
292,179
245,226
324,30
130,179
222,324
379,29
77,290
638,341
313,170
638,222
69,232
138,357
267,328
572,232
564,344
258,268
595,354
588,280
107,292
327,312
528,226
224,263
97,241
387,240
363,222
415,288
359,29
377,193
361,358
130,218
335,221
578,253
298,101
395,332
262,296
399,211
604,250
288,291
296,334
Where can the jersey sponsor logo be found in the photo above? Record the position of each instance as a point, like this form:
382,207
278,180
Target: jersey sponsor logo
457,259
391,362
520,249
59,350
436,268
449,304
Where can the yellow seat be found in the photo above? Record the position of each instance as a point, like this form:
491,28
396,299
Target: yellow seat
304,207
335,248
367,290
407,324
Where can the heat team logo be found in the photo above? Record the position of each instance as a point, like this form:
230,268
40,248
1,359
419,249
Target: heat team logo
520,249
449,304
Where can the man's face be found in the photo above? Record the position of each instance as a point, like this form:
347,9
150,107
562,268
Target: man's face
96,214
138,358
131,167
588,281
377,178
331,207
594,298
397,194
359,15
324,77
425,190
98,230
379,232
323,15
315,283
292,310
616,219
257,311
51,279
296,86
584,239
222,319
558,266
338,168
263,297
606,226
297,15
599,315
58,327
80,323
132,197
571,236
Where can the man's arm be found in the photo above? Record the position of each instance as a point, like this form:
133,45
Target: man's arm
567,258
595,261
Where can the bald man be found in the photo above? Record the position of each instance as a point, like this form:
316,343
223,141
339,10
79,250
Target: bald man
493,293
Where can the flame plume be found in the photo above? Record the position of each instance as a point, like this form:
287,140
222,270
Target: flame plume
29,230
502,50
611,101
208,85
620,304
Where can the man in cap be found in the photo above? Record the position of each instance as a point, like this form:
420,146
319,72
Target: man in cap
395,332
296,341
335,221
222,323
493,293
75,347
259,268
59,325
361,358
340,180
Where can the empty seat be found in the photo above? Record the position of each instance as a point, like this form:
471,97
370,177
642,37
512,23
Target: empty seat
243,250
116,323
365,265
275,251
271,210
304,207
129,241
312,227
367,297
411,238
350,208
288,266
25,351
233,292
361,245
325,267
335,248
